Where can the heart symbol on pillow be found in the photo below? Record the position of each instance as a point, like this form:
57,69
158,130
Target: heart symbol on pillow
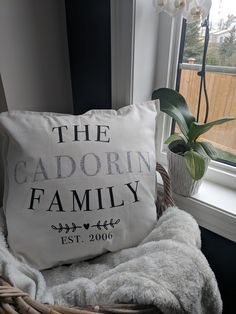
86,226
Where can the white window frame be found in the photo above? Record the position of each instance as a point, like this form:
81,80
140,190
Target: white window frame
226,172
131,22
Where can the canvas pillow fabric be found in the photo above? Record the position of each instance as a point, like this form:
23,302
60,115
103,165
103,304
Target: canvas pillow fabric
78,186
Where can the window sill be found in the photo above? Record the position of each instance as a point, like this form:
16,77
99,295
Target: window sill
214,208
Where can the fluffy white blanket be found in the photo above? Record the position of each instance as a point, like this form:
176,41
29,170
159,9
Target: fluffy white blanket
167,270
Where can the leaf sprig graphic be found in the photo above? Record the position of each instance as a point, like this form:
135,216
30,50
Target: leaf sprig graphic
66,228
106,224
99,225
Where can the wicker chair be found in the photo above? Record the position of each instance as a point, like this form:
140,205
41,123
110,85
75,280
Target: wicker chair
14,301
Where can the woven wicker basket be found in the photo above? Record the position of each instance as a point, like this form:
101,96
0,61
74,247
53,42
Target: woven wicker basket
14,301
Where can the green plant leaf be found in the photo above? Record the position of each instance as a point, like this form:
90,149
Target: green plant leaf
196,129
197,147
176,137
169,97
210,149
174,113
195,164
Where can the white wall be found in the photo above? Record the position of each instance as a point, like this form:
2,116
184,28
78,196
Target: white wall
134,37
145,50
34,61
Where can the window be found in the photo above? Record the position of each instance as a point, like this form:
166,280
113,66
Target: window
214,205
145,56
220,75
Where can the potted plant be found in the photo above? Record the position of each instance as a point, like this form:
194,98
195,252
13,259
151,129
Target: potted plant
188,157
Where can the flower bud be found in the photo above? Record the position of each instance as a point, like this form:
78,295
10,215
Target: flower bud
179,4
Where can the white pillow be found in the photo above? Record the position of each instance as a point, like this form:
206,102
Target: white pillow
78,186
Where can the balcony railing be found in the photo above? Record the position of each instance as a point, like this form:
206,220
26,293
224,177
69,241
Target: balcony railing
209,68
221,87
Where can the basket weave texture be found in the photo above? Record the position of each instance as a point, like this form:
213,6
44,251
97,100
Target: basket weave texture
15,301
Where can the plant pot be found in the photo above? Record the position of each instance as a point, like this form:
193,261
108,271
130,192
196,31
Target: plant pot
181,181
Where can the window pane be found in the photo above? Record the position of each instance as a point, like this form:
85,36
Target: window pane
220,77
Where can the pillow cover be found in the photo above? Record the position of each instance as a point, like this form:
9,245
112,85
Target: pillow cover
78,186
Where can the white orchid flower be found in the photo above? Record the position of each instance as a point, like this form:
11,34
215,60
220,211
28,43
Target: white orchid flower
189,9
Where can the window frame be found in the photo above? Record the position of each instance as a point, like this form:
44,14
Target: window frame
218,216
226,172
